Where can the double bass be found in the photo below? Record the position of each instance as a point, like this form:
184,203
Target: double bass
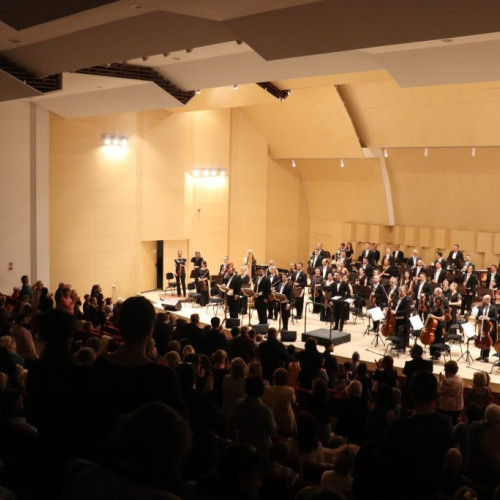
483,339
389,323
427,336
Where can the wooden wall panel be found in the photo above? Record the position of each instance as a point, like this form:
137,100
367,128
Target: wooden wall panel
411,236
484,242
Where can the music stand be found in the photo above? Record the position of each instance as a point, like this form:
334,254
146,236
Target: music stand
417,325
224,289
369,305
377,315
469,334
280,298
249,294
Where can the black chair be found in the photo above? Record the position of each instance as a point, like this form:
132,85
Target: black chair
193,296
215,300
454,338
171,283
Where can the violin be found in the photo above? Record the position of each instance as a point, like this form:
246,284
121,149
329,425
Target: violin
483,340
427,336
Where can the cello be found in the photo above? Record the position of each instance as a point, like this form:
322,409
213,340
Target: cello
389,323
427,336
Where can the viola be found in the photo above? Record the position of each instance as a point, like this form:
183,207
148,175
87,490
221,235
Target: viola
427,336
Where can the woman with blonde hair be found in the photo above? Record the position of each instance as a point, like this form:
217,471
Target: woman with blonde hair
451,390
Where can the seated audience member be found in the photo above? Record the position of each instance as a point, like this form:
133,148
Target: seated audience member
233,389
255,420
8,342
23,338
340,478
480,393
280,397
143,459
414,448
127,379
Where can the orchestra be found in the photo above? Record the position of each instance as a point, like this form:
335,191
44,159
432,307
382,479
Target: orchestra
442,293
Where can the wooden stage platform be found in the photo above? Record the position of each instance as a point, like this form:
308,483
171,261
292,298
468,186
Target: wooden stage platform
369,347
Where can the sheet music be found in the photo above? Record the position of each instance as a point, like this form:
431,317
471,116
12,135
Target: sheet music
416,322
337,297
376,313
468,330
475,310
349,300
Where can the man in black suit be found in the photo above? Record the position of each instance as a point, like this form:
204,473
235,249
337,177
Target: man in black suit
422,289
299,279
468,262
418,268
223,267
455,257
274,278
262,288
439,274
486,312
388,255
233,282
331,365
367,267
470,282
345,260
317,256
368,253
376,255
413,259
194,334
401,310
215,338
325,269
399,256
441,260
286,289
493,278
272,354
380,296
415,365
339,288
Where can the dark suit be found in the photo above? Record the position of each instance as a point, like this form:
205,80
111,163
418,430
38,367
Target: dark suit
272,306
262,289
300,279
426,289
470,282
403,309
339,306
286,307
370,255
399,258
317,261
458,260
369,270
325,270
412,261
273,355
233,298
441,276
443,262
492,316
496,280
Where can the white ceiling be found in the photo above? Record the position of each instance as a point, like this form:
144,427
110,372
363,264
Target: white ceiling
418,43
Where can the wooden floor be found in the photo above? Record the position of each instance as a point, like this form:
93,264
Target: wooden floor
364,344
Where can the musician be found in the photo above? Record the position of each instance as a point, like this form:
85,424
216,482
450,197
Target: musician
316,291
339,251
262,289
362,279
455,257
326,313
422,289
299,279
493,278
367,267
437,314
441,260
367,253
180,273
203,283
245,283
196,261
286,289
344,259
378,297
446,289
470,283
233,282
454,301
349,251
413,259
408,282
346,280
340,307
292,269
468,262
270,265
401,308
418,268
439,273
438,292
376,254
325,268
398,254
223,267
272,306
393,288
317,256
389,256
388,271
486,312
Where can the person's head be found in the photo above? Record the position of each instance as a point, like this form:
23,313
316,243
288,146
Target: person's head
219,357
473,412
254,369
291,351
422,276
172,359
85,356
354,389
423,387
254,387
317,271
320,390
195,318
329,347
280,377
187,351
355,357
8,342
486,300
362,369
344,459
25,279
470,269
215,322
57,328
235,331
438,265
130,452
311,344
137,317
480,379
238,368
284,278
492,414
272,333
417,351
453,460
450,368
174,345
179,254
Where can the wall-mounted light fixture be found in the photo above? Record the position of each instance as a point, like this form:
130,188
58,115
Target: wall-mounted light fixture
209,172
115,140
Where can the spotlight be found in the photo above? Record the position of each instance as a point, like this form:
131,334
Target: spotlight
107,139
342,163
116,140
145,58
196,172
386,153
124,141
222,172
426,152
293,164
473,152
206,172
235,86
198,91
213,172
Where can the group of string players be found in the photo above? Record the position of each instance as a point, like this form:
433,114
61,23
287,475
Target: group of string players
398,284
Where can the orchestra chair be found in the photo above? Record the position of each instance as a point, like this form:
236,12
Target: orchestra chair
455,338
171,284
395,342
215,301
193,296
356,313
443,349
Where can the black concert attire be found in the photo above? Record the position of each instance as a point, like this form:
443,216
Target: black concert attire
317,260
326,314
454,297
325,271
491,312
412,261
493,281
368,270
439,276
389,272
340,307
262,289
286,307
421,288
376,257
402,306
272,306
196,266
317,293
245,282
233,282
456,258
203,285
399,256
180,275
470,282
300,280
438,332
370,255
443,262
389,257
380,300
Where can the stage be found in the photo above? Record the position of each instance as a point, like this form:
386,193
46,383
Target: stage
355,337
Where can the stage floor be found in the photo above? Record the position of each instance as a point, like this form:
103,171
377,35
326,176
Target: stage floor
366,344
